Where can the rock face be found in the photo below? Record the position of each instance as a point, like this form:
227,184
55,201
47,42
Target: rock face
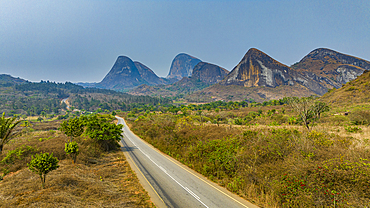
124,74
208,73
148,75
182,66
258,69
338,67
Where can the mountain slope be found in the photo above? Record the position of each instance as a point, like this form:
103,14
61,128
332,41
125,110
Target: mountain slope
355,91
338,67
124,74
208,73
184,86
148,75
182,66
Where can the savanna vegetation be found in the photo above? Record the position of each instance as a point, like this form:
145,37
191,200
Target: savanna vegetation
42,166
272,154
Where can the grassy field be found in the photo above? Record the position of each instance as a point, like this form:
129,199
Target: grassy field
97,179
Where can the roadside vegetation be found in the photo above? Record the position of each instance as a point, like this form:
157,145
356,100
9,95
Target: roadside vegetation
273,154
40,168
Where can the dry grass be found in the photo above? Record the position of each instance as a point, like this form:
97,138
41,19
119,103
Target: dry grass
264,154
98,179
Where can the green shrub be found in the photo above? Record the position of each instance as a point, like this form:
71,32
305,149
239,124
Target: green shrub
18,153
72,148
42,164
353,129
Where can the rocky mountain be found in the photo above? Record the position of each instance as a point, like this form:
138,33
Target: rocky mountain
208,73
339,68
148,75
204,75
127,74
182,66
257,69
124,74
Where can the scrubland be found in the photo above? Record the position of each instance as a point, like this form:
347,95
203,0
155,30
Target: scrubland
266,156
97,179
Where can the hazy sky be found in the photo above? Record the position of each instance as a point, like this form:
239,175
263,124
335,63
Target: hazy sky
80,40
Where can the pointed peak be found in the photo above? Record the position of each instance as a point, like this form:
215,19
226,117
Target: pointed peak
123,58
185,55
254,52
323,51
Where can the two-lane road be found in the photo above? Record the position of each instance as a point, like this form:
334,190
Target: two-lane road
171,184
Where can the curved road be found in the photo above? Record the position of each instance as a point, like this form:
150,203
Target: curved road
170,183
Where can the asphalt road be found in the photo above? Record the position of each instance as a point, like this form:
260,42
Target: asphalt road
170,183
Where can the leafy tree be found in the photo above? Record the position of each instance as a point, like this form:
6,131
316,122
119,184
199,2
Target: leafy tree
73,127
104,132
7,130
42,164
72,148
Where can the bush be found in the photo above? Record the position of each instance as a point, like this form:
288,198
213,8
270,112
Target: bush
103,132
42,164
353,129
72,148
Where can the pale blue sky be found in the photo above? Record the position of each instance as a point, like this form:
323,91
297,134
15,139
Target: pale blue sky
79,40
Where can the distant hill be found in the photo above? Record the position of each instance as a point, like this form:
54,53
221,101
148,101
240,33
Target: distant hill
7,80
208,73
30,98
355,91
182,66
339,68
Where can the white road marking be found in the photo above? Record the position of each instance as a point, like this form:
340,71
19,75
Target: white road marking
164,170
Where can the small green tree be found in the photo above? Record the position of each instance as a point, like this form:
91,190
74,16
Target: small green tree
104,132
72,148
42,164
73,127
7,130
